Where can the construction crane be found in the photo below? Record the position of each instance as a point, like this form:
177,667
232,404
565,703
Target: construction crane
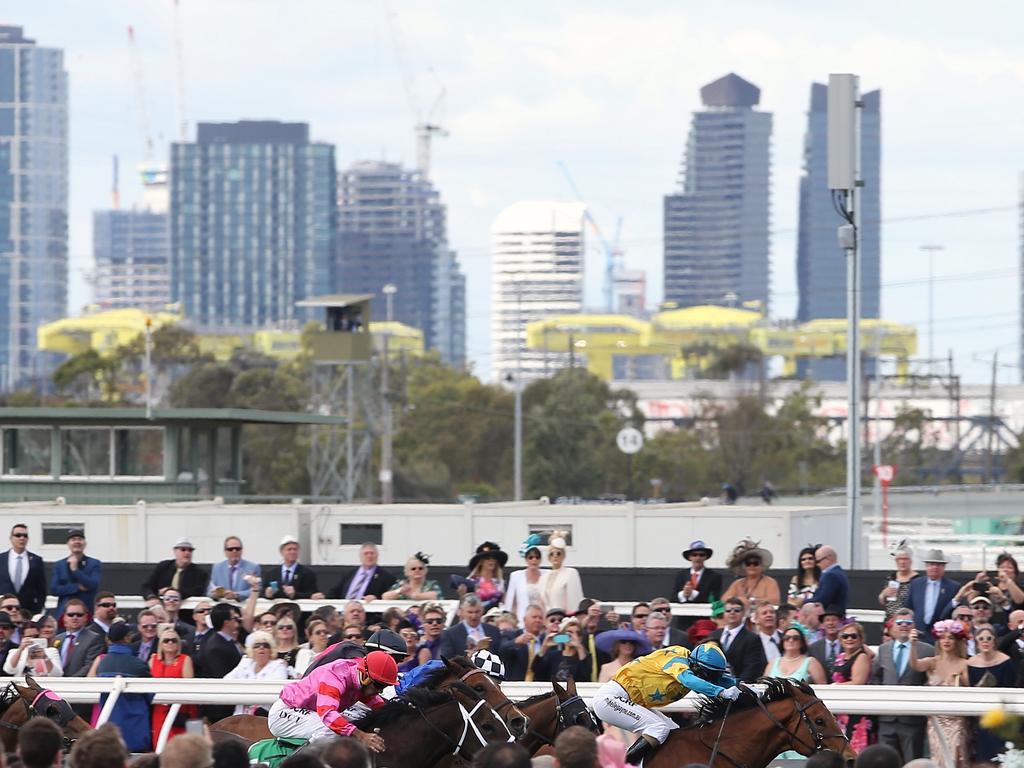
612,251
179,60
140,97
430,125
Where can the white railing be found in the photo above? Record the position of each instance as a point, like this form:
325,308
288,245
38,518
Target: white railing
623,608
849,699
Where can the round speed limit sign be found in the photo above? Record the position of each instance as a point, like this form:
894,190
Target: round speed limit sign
630,440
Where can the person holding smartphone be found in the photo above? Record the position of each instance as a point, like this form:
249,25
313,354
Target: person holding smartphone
563,654
33,655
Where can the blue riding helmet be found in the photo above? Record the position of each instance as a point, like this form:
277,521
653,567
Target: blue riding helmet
708,661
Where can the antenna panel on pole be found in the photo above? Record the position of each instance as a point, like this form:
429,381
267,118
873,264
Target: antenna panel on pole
842,135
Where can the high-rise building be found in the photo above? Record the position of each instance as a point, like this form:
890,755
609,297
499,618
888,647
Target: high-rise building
131,249
820,262
253,220
392,228
536,272
630,291
716,226
33,203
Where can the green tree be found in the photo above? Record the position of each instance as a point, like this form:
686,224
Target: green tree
206,385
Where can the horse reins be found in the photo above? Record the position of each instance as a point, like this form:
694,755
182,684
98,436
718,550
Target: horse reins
504,704
12,695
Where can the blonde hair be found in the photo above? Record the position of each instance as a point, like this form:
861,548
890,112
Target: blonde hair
259,636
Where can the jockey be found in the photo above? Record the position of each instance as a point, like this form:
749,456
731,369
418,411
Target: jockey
310,708
381,640
489,663
485,660
657,679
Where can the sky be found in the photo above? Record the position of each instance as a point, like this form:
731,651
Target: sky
605,88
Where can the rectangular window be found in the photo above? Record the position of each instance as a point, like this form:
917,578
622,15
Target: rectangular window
139,452
86,453
57,533
26,451
361,533
545,530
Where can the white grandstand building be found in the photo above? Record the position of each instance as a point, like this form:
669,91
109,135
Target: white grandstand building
537,272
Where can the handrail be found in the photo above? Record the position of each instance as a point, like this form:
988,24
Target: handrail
847,699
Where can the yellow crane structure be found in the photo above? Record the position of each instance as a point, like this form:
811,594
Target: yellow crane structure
686,342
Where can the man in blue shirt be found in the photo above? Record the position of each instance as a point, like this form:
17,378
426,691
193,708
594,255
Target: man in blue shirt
77,575
227,581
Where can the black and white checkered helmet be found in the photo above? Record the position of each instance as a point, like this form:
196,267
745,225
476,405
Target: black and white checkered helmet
489,663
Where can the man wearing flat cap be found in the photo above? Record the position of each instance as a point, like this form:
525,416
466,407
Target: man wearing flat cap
77,575
180,573
697,584
931,595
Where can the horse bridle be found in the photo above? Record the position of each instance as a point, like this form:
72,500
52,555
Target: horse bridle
564,720
504,704
467,724
11,695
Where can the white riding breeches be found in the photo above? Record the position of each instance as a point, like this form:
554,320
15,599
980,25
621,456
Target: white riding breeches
613,706
294,723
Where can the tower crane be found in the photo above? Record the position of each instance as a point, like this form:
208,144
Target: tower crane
140,97
179,61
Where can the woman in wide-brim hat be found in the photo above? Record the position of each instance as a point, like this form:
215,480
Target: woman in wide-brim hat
526,587
749,561
486,575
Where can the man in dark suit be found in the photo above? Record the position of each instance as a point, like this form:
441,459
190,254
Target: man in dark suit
455,641
673,636
79,644
22,572
697,584
77,575
931,596
368,581
221,652
6,632
833,586
519,653
742,648
181,573
904,733
826,649
293,580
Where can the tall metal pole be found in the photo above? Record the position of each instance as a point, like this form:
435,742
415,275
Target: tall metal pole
853,361
931,251
877,491
149,368
386,476
517,471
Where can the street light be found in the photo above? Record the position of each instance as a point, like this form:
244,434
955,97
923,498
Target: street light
390,290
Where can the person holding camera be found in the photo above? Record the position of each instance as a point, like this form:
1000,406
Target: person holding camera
932,596
33,655
563,654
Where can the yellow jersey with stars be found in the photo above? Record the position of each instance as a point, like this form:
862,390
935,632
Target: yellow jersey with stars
664,676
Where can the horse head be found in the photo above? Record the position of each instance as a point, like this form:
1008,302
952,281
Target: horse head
812,727
572,709
42,702
465,671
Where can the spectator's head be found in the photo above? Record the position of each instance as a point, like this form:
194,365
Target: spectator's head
639,616
345,753
1015,620
808,571
317,633
147,622
793,641
735,612
200,614
985,638
557,543
354,634
286,633
934,564
576,747
1006,564
533,620
902,623
105,607
75,614
981,607
502,756
471,610
552,619
47,627
233,550
260,646
879,756
903,557
825,556
533,557
329,615
102,748
170,641
183,550
187,750
507,622
765,618
810,615
826,759
40,743
267,621
355,613
368,555
289,549
171,601
19,537
232,754
224,618
11,605
831,621
120,634
432,617
657,626
6,627
76,541
416,567
662,605
784,615
851,637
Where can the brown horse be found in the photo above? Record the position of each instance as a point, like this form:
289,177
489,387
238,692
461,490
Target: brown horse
458,670
756,729
552,713
20,703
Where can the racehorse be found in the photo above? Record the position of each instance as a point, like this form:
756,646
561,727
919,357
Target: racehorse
20,703
457,670
551,713
753,730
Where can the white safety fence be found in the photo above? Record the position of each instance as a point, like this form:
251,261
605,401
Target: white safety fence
134,602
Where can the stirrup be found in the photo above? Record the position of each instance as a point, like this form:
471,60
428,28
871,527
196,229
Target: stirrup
640,749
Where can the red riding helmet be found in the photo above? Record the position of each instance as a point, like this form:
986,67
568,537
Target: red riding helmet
379,667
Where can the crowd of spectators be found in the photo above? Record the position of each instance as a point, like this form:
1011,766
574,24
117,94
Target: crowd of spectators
537,620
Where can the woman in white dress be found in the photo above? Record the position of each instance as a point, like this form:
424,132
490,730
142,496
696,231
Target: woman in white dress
563,588
259,663
526,587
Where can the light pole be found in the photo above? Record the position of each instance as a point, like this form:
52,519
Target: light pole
517,470
931,250
386,476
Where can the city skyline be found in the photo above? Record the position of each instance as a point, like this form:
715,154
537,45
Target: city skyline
569,97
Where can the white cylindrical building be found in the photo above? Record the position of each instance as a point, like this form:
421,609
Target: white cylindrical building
536,272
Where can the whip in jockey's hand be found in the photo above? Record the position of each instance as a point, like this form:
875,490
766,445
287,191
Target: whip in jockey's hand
630,698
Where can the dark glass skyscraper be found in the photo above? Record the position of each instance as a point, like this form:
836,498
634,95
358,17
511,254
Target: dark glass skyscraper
820,262
253,218
33,203
716,227
392,228
131,250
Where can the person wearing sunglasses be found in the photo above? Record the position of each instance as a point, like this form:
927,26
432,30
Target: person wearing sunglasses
989,667
21,571
259,663
742,647
318,635
904,733
77,575
179,572
834,587
526,587
415,585
749,561
228,577
171,661
432,617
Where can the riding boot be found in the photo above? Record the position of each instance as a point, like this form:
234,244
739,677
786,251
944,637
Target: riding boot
640,749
